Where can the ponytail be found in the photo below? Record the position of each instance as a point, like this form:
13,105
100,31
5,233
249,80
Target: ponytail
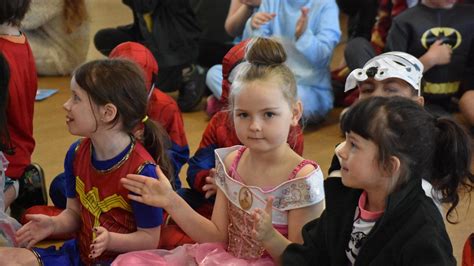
452,162
156,142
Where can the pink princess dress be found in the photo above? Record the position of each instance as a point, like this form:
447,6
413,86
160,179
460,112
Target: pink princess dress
241,248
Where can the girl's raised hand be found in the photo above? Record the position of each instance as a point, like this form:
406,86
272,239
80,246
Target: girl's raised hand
150,191
302,22
100,243
38,228
263,228
261,18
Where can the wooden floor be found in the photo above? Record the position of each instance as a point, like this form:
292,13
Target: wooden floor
53,139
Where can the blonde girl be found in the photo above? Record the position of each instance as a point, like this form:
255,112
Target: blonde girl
264,106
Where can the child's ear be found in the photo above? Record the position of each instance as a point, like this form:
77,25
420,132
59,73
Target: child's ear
297,111
394,166
420,100
108,112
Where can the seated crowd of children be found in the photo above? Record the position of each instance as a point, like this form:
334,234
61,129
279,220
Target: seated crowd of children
251,197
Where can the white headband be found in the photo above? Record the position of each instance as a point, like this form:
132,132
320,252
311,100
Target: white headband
389,65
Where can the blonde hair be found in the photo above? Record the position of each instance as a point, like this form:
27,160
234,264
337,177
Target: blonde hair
264,60
75,13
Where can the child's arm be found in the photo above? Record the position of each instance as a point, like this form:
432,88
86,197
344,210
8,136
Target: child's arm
398,39
237,16
321,36
142,239
41,226
158,192
437,54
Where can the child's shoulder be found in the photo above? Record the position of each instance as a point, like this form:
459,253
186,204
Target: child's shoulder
230,158
304,167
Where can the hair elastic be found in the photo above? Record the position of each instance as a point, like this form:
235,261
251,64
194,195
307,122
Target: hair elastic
145,119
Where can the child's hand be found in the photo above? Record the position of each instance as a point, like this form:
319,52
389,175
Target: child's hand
263,228
302,22
100,243
150,191
38,228
210,187
261,18
440,53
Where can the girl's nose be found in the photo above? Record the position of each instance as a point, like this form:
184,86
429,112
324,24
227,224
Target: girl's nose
67,104
255,125
341,150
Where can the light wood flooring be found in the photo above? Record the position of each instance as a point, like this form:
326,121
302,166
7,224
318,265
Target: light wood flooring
53,139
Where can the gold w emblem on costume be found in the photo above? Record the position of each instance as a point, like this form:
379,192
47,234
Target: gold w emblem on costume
91,201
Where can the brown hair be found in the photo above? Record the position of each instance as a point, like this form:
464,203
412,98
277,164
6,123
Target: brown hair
265,58
13,11
75,13
121,83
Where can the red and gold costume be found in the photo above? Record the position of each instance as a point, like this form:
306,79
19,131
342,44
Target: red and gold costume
103,199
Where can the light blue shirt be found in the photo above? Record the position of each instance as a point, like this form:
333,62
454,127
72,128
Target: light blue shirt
308,57
315,46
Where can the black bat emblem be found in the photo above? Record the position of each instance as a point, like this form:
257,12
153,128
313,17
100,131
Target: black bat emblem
449,36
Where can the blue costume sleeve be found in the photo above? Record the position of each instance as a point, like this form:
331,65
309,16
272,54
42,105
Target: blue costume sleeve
179,155
147,216
68,171
199,166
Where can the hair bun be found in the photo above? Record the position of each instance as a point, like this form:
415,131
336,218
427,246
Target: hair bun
265,52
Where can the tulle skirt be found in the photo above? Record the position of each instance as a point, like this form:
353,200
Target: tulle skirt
206,254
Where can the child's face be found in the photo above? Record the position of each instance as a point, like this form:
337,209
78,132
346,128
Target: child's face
359,164
80,117
387,88
262,116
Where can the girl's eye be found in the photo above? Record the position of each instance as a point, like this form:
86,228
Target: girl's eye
242,115
366,90
353,145
269,114
75,97
391,90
